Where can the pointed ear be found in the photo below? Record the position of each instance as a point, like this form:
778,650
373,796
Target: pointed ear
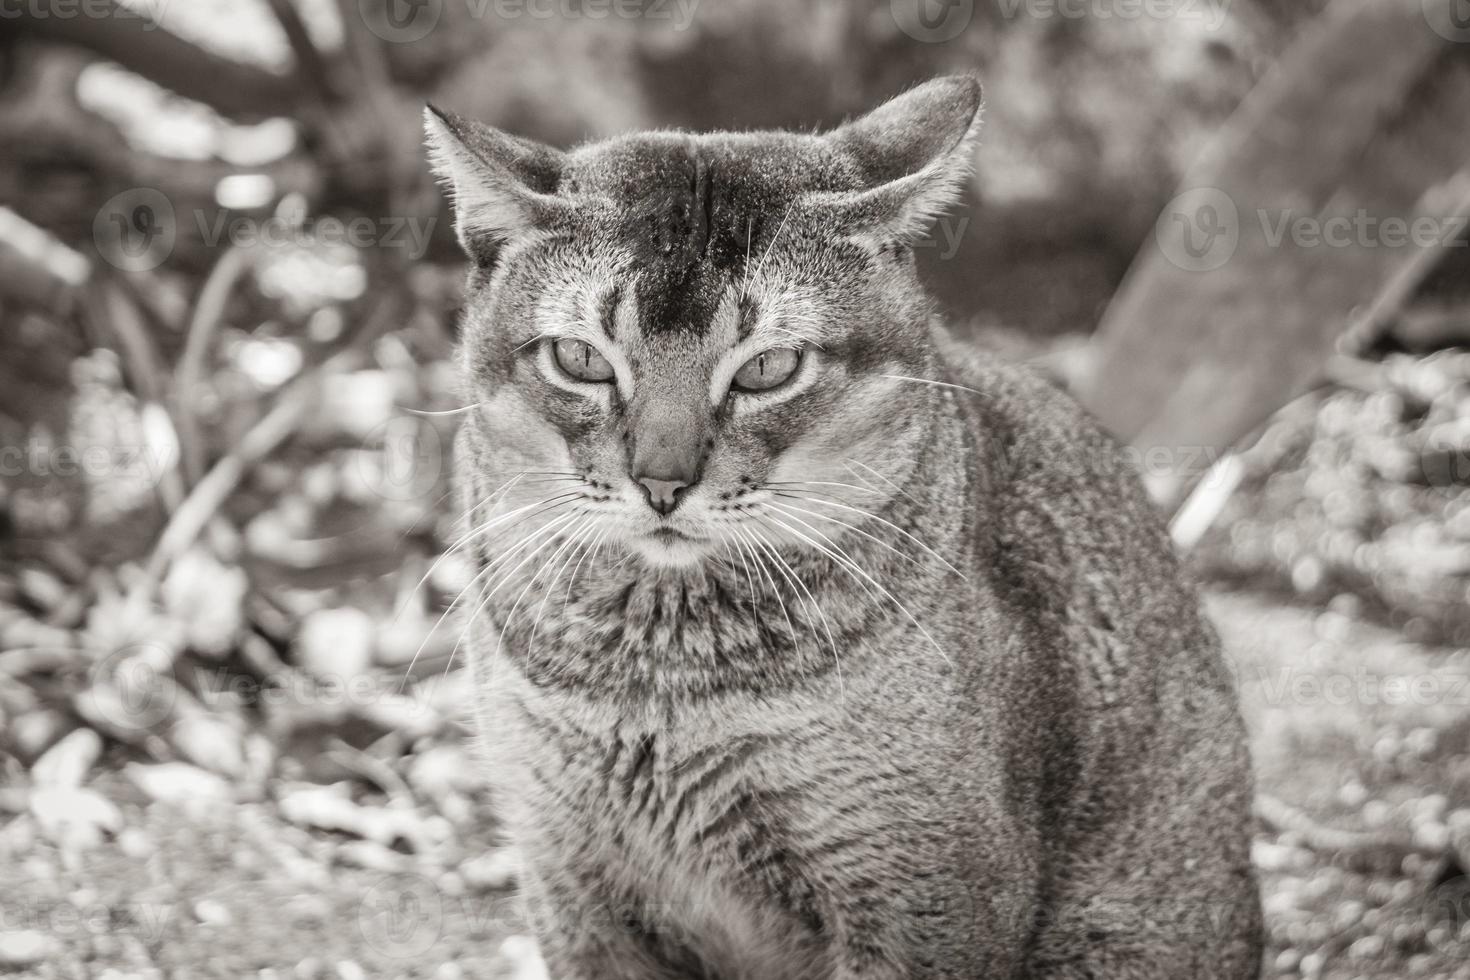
915,154
502,187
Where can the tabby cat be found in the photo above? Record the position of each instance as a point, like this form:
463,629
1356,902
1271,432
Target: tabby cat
808,645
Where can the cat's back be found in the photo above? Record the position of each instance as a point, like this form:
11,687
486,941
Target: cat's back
1059,496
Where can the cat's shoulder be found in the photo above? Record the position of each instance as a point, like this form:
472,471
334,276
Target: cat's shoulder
1028,411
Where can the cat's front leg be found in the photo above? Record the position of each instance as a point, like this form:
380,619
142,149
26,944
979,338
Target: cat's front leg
583,938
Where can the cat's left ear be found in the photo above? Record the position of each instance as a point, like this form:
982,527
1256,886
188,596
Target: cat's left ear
503,187
915,154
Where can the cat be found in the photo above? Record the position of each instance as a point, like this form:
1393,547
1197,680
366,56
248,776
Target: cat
809,645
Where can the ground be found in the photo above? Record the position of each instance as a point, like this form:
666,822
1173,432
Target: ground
1352,726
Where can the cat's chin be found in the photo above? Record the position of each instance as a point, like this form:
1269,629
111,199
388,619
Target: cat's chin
667,549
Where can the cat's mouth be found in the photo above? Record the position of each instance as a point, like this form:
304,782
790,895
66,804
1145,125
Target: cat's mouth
669,535
670,547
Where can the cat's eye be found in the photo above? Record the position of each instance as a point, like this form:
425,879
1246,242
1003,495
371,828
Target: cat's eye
768,369
582,361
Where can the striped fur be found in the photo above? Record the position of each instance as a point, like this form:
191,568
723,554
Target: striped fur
909,684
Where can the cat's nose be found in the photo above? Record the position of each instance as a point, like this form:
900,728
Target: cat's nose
663,494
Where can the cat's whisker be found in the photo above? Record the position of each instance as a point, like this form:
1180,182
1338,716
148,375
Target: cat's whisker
734,551
546,531
845,561
812,496
452,411
749,579
767,254
592,549
489,501
930,381
782,563
818,483
850,463
530,583
788,508
574,540
483,529
482,576
765,572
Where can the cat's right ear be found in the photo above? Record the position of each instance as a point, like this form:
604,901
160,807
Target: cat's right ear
502,187
915,153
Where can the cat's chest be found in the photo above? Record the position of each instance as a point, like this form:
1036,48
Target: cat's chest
685,833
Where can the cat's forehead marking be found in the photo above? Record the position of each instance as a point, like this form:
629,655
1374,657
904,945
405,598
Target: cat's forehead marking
697,211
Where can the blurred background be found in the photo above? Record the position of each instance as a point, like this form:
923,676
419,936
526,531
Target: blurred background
232,729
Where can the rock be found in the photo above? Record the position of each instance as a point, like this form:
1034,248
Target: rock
210,742
1367,948
208,598
178,783
407,635
495,871
372,856
24,948
330,808
67,762
412,717
74,818
355,403
213,913
136,844
349,970
525,959
36,731
335,644
443,770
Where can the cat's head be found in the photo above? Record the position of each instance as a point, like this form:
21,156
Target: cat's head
666,333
